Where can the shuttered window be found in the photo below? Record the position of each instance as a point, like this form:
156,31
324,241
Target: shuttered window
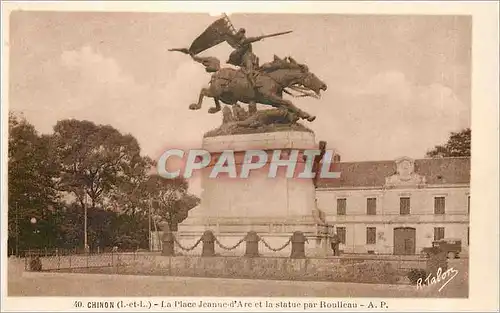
341,232
439,205
404,205
438,233
371,206
371,235
341,206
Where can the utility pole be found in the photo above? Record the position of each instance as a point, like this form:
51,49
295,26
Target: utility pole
85,230
17,230
85,223
149,228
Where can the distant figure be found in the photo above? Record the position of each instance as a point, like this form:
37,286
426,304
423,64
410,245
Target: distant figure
115,249
335,244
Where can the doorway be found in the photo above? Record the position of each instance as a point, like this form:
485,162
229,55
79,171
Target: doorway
404,240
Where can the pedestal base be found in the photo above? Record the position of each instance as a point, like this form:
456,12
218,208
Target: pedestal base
273,207
276,232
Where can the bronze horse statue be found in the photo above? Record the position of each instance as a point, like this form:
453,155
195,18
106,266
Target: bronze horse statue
230,85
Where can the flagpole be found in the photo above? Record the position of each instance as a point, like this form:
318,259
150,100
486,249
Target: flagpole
231,26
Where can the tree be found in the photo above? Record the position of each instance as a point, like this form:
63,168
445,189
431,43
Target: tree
130,199
171,200
70,226
108,181
32,178
458,145
130,232
95,161
128,196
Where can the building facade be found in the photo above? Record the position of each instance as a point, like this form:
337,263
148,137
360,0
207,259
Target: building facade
397,207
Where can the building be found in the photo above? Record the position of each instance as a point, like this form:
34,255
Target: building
397,207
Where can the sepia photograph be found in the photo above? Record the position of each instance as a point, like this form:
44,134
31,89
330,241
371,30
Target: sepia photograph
252,161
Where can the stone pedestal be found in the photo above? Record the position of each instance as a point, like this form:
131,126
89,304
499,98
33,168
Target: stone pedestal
273,207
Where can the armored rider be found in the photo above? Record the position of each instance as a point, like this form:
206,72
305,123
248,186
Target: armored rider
243,55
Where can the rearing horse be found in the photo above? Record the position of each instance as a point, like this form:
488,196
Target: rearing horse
230,86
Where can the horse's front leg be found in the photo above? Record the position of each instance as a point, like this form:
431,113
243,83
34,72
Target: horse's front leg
205,92
277,101
216,108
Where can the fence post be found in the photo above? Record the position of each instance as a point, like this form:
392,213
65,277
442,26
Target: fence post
298,245
252,244
208,239
28,258
58,259
70,258
45,251
87,255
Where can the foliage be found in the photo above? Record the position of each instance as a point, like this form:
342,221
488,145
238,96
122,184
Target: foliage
415,274
458,145
84,167
106,229
94,159
31,182
275,268
129,232
171,200
378,272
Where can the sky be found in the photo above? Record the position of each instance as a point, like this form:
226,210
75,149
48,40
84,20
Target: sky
397,85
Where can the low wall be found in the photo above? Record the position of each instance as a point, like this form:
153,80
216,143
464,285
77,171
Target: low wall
325,269
362,269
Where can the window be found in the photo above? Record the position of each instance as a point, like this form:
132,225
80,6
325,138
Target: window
371,235
439,205
371,206
438,233
341,206
404,205
468,205
342,234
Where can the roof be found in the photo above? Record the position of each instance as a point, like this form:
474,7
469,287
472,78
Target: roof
373,173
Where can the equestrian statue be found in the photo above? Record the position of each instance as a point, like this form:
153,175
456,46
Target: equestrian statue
251,83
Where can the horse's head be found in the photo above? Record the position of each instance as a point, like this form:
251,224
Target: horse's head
308,79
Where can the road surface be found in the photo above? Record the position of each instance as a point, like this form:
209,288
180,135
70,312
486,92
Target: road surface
22,283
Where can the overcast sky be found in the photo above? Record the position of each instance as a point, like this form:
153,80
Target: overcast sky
397,85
